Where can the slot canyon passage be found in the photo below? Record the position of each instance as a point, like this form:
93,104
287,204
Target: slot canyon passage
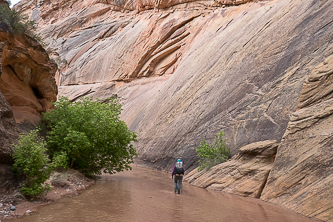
261,71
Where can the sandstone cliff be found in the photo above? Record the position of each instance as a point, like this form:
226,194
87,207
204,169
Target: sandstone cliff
185,70
302,175
27,87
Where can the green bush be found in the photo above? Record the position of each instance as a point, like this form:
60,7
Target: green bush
212,154
31,162
91,134
15,22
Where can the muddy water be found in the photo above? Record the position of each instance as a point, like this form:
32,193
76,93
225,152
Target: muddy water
147,195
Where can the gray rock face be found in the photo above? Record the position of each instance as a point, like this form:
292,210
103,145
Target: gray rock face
7,128
8,133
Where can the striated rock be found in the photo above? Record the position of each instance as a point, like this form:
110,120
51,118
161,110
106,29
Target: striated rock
238,69
184,72
52,10
302,176
244,174
318,87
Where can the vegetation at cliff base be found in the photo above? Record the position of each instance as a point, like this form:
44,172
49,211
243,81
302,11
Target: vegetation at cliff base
86,135
91,134
212,154
33,164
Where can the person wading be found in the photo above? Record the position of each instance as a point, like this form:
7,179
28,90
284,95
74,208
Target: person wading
178,172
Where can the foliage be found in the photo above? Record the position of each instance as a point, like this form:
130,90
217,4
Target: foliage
32,162
91,134
16,23
212,154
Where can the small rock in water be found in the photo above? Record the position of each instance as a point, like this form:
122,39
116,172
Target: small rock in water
28,212
1,205
12,208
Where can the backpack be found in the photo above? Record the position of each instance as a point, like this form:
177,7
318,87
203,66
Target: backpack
179,168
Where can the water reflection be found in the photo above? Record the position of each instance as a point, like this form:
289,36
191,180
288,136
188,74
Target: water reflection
147,195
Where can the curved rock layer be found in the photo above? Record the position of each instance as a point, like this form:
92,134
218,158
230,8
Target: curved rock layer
184,72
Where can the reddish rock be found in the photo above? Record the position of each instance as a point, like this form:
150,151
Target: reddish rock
27,87
27,77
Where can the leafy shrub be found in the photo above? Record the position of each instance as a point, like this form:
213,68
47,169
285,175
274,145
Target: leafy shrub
31,162
212,154
91,135
14,22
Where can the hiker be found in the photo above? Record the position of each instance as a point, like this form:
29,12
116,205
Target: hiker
178,172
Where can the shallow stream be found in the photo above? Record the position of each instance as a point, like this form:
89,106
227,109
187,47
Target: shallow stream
147,195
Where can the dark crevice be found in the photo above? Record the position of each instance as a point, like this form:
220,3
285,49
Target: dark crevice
11,68
262,186
7,114
37,94
83,95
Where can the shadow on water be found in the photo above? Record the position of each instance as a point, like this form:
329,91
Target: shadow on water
147,195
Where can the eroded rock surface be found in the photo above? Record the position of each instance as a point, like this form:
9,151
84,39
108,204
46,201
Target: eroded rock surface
244,174
27,77
302,176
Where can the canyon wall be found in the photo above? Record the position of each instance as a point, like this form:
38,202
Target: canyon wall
302,176
185,70
27,88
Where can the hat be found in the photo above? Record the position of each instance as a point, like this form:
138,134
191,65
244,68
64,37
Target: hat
179,160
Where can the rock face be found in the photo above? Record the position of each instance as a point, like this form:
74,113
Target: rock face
244,174
27,77
8,133
302,176
238,69
185,70
27,87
